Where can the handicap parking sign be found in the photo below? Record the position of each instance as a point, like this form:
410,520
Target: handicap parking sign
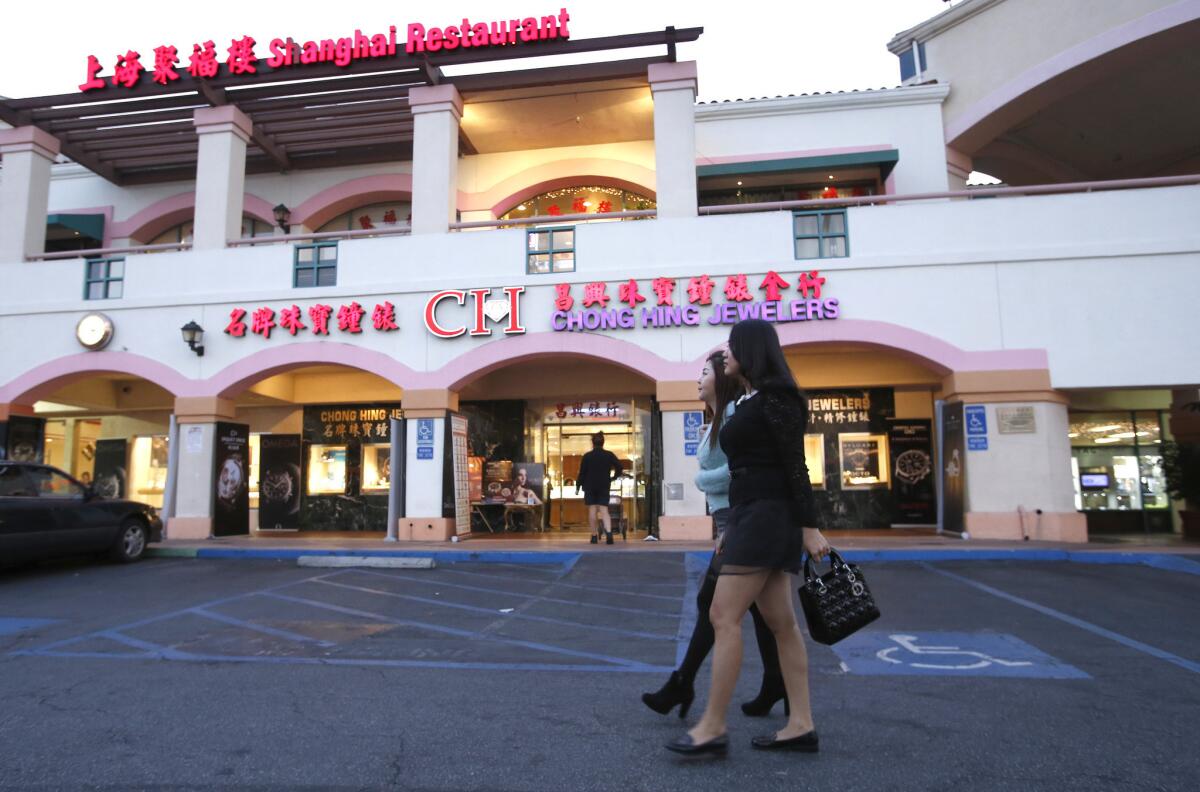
689,449
877,653
692,421
975,417
425,452
425,431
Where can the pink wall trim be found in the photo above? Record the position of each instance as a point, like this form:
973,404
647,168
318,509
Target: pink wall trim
565,181
237,377
107,211
42,381
332,201
1145,26
158,217
777,155
515,188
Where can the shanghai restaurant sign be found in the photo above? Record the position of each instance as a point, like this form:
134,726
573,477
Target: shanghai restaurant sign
241,57
352,318
768,301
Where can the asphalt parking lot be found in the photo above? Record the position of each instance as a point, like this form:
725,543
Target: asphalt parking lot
180,674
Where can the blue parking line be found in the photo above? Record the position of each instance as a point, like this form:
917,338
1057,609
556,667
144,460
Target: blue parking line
152,650
10,626
287,635
560,585
532,597
469,634
1080,623
493,612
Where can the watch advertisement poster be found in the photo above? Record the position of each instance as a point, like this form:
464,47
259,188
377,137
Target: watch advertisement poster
914,497
954,458
111,473
231,480
25,441
279,482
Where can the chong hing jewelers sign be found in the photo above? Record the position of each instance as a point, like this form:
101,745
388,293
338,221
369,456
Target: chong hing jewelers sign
768,300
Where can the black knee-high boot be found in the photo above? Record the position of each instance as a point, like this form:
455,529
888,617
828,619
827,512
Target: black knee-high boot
772,689
680,688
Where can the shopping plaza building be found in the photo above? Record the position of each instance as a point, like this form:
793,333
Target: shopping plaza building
371,283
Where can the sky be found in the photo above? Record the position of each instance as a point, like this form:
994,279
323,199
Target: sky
750,48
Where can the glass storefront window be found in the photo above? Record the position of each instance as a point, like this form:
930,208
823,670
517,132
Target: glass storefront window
863,459
148,470
326,470
1116,461
254,469
365,218
376,467
814,457
580,200
1101,429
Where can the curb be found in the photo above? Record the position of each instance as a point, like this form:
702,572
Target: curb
1172,563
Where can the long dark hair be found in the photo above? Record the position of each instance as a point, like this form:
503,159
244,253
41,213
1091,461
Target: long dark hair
725,388
755,345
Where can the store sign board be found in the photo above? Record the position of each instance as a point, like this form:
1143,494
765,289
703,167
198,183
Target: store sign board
591,411
279,482
954,483
767,301
231,480
242,59
914,500
1016,420
483,308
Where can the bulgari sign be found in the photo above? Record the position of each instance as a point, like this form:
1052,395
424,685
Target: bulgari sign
354,318
769,300
242,58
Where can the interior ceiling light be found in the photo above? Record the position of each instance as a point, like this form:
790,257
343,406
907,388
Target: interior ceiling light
1105,428
1107,440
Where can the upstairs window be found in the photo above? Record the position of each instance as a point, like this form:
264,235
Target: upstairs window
103,278
550,250
821,234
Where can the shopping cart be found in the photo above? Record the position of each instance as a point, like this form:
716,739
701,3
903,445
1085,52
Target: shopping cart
617,515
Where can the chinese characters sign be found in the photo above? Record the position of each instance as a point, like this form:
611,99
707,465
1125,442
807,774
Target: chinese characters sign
588,411
678,303
242,56
368,424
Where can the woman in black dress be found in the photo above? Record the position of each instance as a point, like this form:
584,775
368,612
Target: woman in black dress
771,526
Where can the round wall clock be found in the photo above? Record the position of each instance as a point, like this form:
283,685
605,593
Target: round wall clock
94,331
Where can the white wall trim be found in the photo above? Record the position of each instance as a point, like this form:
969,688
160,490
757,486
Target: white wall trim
934,93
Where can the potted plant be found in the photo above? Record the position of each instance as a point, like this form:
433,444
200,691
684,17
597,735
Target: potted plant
1181,463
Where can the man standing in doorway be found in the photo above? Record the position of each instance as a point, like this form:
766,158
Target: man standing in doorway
597,471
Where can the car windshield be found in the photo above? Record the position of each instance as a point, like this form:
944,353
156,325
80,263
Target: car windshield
13,483
52,484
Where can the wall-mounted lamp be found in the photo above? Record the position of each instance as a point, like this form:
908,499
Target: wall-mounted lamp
283,218
193,335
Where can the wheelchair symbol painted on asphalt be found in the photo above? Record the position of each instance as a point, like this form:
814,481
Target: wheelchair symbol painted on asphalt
913,653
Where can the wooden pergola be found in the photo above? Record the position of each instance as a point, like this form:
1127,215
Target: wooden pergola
318,117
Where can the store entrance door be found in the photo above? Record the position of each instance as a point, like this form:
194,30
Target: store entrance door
565,446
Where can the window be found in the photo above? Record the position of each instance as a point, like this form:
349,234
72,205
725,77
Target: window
315,265
580,200
52,484
13,483
103,278
365,218
821,234
550,250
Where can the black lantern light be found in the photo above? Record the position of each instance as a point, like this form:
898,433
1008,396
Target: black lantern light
283,218
193,335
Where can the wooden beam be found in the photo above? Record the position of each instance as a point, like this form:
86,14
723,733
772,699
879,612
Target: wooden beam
555,75
218,97
308,121
314,87
397,105
56,127
333,135
188,99
351,142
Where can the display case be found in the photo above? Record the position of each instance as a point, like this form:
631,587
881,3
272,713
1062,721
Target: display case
148,470
326,470
376,467
862,460
814,458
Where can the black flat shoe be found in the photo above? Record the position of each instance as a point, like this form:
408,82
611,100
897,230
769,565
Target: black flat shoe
772,692
804,743
718,746
676,691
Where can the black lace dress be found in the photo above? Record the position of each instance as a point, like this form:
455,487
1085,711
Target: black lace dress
770,495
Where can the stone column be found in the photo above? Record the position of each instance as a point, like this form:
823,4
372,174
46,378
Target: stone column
685,515
27,153
673,86
437,111
220,175
197,419
426,457
1020,487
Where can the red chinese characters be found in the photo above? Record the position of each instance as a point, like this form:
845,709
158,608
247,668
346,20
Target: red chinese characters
736,289
664,290
241,58
94,81
554,210
290,320
165,60
563,301
628,293
129,69
365,222
236,327
605,207
579,206
772,284
810,280
319,314
349,318
389,217
700,290
203,62
384,317
262,321
594,293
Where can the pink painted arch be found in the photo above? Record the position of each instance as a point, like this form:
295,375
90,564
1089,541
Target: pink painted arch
161,215
318,210
237,377
42,381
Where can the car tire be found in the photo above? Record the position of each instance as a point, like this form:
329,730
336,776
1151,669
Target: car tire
131,542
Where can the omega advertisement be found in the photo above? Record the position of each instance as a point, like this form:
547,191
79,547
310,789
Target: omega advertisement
279,483
231,480
22,439
110,473
954,461
914,500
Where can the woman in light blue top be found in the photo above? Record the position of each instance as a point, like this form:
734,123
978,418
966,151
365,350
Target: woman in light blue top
719,393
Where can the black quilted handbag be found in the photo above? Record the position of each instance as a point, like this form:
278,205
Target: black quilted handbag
838,603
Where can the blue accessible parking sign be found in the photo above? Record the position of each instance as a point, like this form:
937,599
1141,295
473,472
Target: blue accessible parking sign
988,654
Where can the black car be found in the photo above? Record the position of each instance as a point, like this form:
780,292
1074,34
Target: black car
44,513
